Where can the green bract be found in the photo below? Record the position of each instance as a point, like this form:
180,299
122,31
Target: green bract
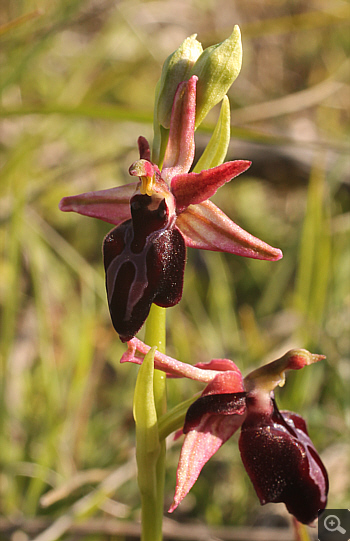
215,152
145,416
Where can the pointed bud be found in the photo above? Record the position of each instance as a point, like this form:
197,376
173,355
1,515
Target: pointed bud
176,68
217,68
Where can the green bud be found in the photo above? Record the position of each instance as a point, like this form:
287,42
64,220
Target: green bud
217,68
176,68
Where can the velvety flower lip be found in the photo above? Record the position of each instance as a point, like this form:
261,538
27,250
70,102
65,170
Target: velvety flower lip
283,463
275,447
158,216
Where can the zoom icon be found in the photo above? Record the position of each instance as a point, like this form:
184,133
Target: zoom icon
334,525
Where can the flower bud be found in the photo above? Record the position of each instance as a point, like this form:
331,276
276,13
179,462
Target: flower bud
217,67
176,68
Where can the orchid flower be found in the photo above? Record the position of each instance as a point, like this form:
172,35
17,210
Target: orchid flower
275,447
158,216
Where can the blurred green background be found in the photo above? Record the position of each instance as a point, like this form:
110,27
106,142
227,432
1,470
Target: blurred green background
77,83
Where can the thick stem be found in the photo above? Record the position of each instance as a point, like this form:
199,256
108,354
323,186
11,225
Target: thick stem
152,504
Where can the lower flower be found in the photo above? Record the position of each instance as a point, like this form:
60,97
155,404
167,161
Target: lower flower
275,447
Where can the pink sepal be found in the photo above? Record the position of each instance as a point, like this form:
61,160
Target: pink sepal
205,226
180,149
111,206
199,446
193,188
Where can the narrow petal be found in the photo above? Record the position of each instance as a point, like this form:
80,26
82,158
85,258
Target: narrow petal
199,446
205,226
180,149
111,206
193,188
145,153
137,350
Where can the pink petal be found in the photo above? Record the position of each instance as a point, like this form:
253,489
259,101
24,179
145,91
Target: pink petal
137,350
205,226
199,446
180,149
193,188
111,206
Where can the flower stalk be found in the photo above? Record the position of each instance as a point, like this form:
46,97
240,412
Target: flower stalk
147,447
149,406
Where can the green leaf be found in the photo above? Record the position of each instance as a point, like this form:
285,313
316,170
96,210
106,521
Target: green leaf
144,409
215,151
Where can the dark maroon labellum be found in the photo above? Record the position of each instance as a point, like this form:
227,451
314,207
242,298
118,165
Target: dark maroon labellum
144,260
283,464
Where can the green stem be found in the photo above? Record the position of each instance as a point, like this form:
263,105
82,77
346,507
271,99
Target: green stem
300,531
152,504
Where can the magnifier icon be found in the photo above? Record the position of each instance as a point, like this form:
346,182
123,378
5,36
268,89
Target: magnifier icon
332,524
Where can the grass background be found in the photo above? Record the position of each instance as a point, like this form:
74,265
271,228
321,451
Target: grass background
77,83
